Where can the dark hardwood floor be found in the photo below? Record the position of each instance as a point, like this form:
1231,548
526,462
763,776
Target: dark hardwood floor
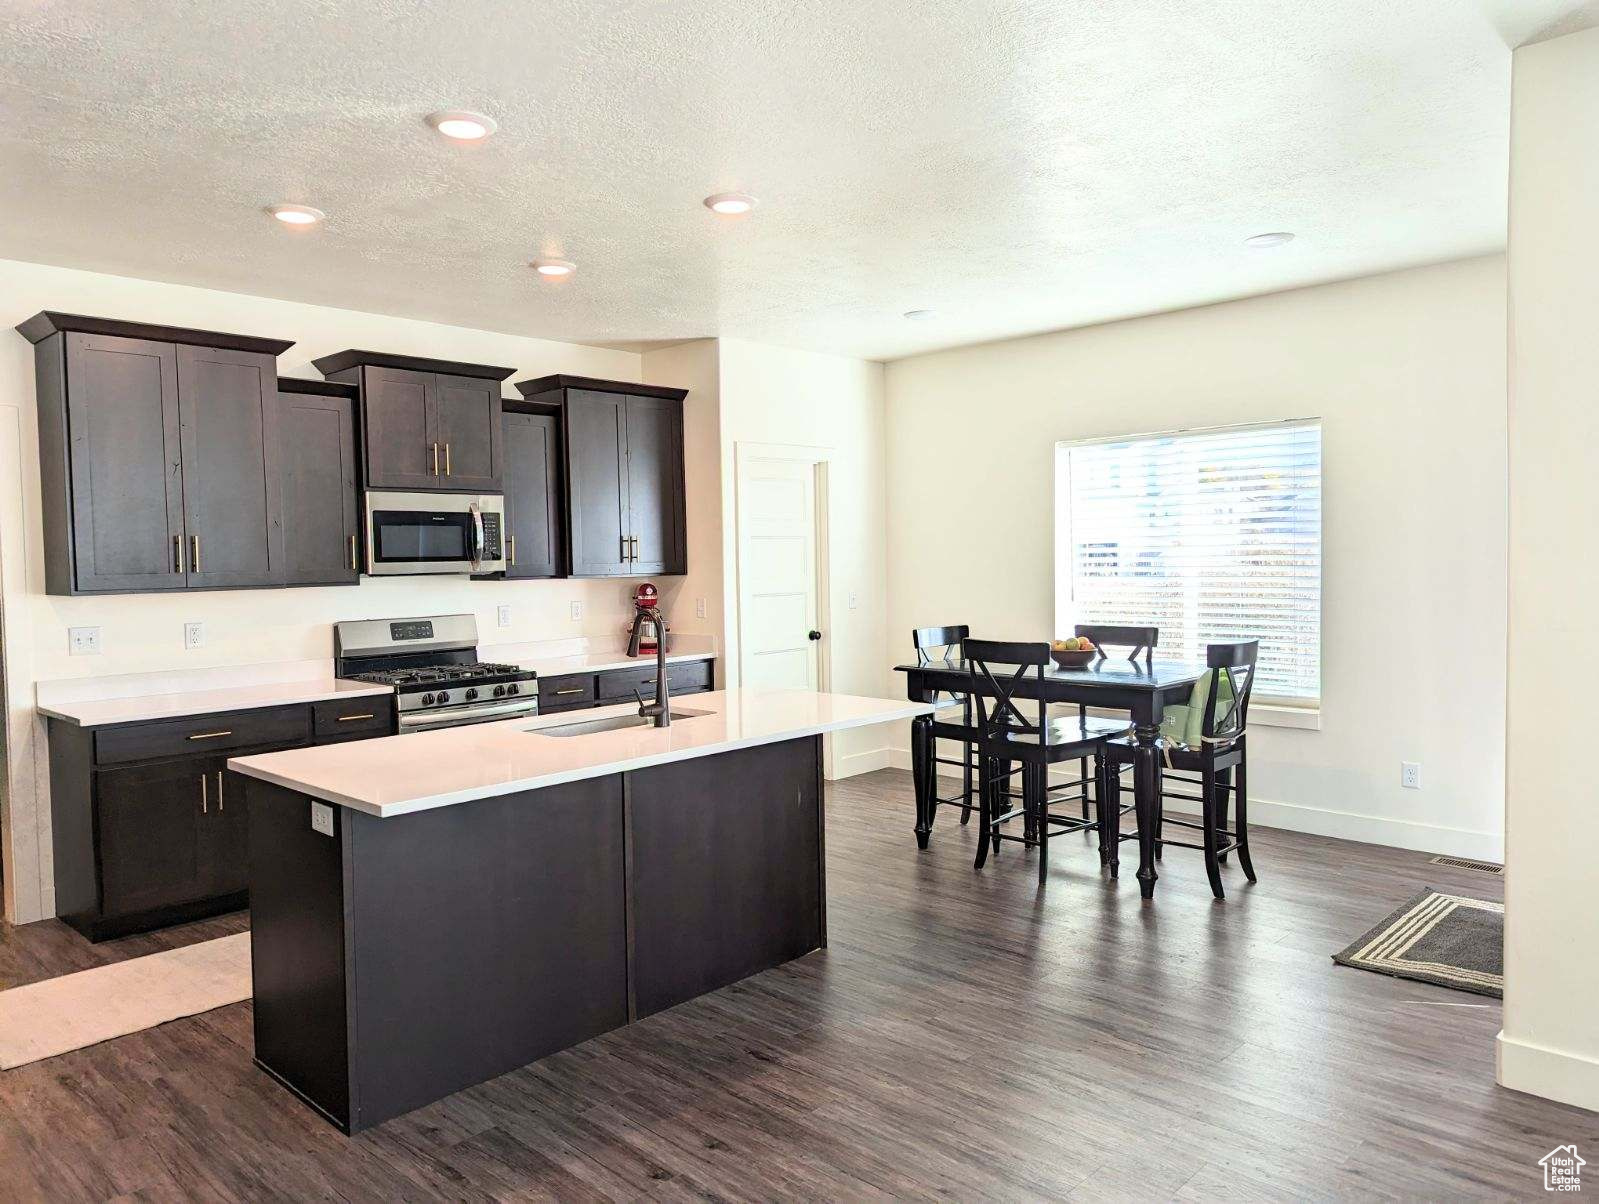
965,1035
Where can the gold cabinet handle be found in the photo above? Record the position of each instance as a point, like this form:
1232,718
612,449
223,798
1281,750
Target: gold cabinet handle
354,567
194,553
435,448
177,553
210,735
510,544
204,800
219,790
353,718
635,547
446,459
571,690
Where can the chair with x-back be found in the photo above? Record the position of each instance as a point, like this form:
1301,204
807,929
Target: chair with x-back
942,645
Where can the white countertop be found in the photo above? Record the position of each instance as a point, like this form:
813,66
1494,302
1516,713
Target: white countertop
396,775
100,712
599,662
85,710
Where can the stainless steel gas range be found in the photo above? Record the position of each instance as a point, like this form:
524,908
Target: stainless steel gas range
433,666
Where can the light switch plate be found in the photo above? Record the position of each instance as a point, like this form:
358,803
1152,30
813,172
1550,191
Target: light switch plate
322,818
83,641
699,608
854,600
577,612
194,635
503,613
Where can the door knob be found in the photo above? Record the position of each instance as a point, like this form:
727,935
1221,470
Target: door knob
815,635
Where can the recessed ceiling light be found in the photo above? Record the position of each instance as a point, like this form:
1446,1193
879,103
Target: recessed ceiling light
296,215
554,268
918,315
462,126
730,204
1275,239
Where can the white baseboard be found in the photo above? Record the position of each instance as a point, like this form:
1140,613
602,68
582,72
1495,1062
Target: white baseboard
1345,825
861,762
1556,1074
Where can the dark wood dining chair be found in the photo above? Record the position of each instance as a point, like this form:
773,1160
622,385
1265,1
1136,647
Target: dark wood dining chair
943,644
1005,736
1136,642
1218,763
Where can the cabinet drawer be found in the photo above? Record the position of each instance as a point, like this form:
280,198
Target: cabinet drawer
565,692
689,677
202,734
684,677
369,716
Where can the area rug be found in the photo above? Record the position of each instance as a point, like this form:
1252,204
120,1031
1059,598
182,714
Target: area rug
47,1018
1450,940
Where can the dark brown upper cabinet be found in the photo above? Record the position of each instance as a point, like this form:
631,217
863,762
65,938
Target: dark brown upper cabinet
624,480
533,542
156,449
427,424
316,458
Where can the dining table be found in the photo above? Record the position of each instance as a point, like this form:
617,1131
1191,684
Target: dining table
1141,688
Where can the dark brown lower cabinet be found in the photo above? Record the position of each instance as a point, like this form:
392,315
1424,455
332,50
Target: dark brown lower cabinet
580,908
148,834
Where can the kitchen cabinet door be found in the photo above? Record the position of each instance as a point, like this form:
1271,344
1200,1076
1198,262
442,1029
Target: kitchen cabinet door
321,509
397,405
150,821
532,496
655,484
125,463
230,477
467,429
225,833
596,466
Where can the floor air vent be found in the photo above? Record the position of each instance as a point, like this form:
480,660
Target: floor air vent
1466,863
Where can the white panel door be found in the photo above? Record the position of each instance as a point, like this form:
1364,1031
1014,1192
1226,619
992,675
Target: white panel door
777,574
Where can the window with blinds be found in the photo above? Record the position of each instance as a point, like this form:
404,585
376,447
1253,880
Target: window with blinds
1209,535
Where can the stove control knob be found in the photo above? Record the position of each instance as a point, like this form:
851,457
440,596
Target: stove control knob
499,691
427,700
470,695
443,697
513,688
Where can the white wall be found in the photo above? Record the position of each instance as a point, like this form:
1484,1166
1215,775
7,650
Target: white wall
777,395
144,632
1407,371
1550,1044
695,366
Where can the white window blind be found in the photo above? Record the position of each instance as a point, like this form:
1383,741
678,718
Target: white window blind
1209,535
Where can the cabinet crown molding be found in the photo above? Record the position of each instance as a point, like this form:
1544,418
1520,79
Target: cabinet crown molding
530,389
341,361
48,322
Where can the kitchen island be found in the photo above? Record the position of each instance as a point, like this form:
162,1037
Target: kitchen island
432,910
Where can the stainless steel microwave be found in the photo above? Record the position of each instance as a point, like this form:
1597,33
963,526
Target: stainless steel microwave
409,533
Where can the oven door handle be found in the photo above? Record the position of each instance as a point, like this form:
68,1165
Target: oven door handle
477,536
421,720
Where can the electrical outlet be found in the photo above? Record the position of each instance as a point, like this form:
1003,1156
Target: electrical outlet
504,615
194,635
1410,775
322,818
83,641
577,612
699,608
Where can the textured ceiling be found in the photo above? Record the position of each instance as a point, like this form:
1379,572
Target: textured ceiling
1012,166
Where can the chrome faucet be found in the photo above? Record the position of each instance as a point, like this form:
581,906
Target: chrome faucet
661,709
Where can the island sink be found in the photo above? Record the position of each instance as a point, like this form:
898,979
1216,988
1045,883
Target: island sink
587,727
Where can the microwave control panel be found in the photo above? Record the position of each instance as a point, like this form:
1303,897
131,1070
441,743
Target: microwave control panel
491,537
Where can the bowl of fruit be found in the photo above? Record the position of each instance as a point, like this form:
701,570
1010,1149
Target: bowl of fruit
1074,652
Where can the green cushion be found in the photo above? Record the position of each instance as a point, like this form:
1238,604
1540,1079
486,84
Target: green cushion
1184,725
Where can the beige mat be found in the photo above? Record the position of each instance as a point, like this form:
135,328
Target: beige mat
51,1017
